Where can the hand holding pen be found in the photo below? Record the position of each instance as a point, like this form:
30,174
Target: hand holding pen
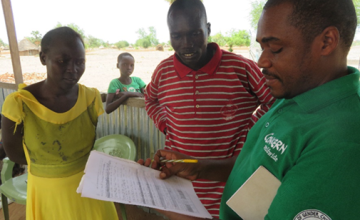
174,163
163,160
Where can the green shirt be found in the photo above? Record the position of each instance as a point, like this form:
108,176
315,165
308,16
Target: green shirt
135,86
311,143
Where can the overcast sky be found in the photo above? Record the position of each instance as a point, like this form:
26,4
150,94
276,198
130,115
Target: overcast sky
115,20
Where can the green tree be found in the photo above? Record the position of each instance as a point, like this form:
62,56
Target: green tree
218,38
146,40
357,8
142,33
238,38
255,13
35,36
94,42
121,44
257,6
105,44
152,36
74,27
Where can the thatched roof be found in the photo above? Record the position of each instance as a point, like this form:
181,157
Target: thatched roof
25,44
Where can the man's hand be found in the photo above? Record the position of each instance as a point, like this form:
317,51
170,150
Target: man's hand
215,170
189,171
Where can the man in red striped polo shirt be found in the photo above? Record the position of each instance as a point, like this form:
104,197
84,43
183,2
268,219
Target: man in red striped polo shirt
203,98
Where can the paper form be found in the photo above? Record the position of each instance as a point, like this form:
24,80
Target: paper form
114,179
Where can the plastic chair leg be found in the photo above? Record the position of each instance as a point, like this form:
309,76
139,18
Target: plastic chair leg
123,211
5,206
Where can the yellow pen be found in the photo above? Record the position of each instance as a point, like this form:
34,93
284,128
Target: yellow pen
180,161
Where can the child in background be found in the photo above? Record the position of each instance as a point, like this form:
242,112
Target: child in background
125,86
51,127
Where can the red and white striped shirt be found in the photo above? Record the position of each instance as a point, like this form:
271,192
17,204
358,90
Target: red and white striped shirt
207,113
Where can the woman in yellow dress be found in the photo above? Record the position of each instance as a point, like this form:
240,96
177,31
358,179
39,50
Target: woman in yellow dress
51,127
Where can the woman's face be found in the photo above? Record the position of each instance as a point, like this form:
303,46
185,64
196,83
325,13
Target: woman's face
65,62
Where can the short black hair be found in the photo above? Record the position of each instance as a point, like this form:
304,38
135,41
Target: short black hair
60,32
187,4
312,17
123,55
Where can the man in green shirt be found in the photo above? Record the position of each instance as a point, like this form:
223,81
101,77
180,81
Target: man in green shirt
309,140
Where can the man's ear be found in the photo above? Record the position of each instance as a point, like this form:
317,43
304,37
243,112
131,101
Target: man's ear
209,28
330,39
42,58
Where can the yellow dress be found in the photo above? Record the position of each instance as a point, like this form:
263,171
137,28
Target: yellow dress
57,146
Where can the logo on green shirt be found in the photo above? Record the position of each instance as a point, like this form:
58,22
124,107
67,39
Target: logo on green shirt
311,214
275,144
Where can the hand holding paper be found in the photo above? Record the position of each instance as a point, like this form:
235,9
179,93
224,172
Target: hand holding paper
114,179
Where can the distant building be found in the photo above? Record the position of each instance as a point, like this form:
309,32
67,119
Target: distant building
27,48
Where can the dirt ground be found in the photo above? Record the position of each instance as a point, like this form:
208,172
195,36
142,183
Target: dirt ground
101,65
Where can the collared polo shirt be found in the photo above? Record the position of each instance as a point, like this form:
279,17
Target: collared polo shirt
311,143
207,112
210,68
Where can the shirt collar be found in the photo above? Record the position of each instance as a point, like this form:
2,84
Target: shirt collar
329,92
210,68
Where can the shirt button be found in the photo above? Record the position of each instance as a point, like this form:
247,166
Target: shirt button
197,92
267,124
280,110
196,77
197,106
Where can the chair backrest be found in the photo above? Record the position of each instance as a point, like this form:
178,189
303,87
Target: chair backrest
14,188
116,145
6,171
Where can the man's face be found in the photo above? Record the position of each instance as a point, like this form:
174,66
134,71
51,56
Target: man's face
188,35
289,64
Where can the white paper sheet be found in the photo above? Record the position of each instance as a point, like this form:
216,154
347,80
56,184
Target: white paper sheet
114,179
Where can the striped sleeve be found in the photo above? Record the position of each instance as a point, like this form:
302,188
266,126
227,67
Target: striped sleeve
260,90
152,106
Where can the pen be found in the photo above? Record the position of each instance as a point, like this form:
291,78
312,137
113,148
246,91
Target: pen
178,161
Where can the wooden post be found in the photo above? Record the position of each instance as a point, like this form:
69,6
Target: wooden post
14,49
